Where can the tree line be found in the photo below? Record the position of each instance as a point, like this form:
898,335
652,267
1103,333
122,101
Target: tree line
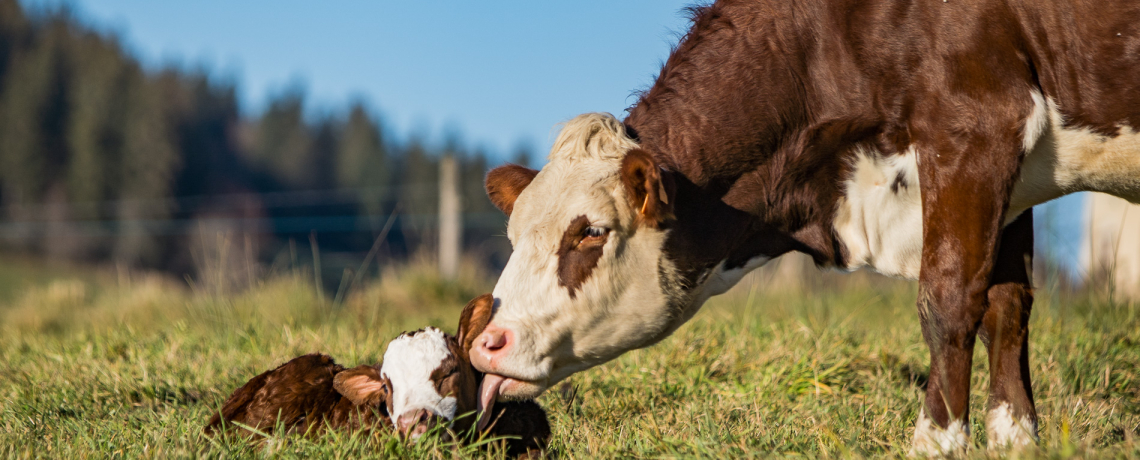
102,160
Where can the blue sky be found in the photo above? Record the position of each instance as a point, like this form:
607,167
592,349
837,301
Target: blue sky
499,72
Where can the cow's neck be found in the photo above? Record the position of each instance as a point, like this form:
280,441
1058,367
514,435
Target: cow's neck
737,134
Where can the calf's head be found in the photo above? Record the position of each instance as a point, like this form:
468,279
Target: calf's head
587,278
431,376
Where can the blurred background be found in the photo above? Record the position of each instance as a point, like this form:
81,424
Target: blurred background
218,143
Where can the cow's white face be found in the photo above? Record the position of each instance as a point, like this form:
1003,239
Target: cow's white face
584,283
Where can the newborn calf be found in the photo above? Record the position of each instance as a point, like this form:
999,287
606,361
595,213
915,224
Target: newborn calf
432,379
426,378
306,395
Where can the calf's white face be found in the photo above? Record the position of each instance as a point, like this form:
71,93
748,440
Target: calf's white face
409,363
583,284
430,374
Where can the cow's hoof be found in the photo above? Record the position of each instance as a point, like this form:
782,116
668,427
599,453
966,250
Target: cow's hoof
1005,431
933,441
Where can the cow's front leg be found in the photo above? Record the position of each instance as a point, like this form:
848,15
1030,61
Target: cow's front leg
1011,419
966,182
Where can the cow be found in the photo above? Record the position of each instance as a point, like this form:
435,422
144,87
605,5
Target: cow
910,137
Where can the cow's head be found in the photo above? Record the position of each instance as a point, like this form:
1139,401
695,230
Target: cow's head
585,282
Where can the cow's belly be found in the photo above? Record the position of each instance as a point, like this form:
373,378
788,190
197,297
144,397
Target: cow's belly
1066,160
879,218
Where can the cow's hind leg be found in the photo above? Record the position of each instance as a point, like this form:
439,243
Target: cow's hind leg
1011,419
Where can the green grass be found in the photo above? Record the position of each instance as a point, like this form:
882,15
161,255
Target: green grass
134,368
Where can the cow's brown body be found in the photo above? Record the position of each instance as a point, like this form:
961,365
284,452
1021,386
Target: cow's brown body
750,144
760,106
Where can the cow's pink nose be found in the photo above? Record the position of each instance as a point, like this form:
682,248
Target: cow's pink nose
494,340
492,343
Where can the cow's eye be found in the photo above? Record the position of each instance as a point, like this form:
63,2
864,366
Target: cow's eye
596,232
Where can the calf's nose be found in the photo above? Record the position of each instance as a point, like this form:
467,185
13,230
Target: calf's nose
414,423
492,343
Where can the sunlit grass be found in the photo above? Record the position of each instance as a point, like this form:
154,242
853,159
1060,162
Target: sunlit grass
134,369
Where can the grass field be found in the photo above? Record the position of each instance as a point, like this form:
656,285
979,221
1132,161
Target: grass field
131,366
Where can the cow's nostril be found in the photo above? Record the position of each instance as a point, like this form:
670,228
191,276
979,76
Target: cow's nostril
494,340
489,346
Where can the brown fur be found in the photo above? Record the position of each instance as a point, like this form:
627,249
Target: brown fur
474,318
648,187
505,183
578,254
300,396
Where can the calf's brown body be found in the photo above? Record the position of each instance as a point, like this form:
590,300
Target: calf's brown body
301,397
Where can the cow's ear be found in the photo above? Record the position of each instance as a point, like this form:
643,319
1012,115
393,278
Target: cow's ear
649,186
362,385
505,183
474,319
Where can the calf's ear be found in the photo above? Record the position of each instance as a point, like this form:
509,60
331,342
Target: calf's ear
362,385
505,183
649,186
474,319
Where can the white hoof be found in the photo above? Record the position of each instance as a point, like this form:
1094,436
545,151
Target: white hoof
930,440
1004,431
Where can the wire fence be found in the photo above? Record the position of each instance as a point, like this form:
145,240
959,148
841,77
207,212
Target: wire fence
1065,230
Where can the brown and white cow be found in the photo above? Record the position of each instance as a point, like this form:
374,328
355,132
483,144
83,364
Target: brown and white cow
910,137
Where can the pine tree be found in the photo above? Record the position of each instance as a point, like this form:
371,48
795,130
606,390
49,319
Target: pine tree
419,195
284,143
362,163
97,88
32,150
149,162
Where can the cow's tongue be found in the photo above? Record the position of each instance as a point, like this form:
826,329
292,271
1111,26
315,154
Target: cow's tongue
488,392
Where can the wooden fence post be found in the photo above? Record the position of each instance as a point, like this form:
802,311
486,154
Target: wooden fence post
450,224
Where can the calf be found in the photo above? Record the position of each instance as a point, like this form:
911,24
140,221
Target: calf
306,395
426,378
432,379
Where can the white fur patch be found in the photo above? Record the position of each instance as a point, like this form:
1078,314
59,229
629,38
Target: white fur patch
1064,160
879,217
1003,430
930,440
1037,122
408,363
